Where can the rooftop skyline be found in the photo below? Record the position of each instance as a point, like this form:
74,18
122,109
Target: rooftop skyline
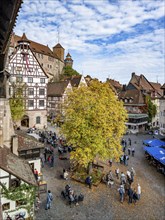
106,38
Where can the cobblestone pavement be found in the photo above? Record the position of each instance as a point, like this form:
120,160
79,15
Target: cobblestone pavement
102,203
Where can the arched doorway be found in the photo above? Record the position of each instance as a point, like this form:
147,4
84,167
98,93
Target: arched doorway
25,121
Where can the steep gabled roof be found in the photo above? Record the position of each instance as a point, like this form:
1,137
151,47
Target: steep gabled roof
115,85
57,89
36,47
136,96
58,46
141,83
16,166
24,38
75,80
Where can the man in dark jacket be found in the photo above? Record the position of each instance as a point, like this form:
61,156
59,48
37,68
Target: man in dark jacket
130,194
88,181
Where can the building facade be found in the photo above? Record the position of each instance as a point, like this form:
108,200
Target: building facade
52,61
13,173
134,97
162,112
27,73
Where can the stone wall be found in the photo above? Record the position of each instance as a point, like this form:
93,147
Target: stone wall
32,118
6,124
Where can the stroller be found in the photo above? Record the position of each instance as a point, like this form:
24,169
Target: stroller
69,195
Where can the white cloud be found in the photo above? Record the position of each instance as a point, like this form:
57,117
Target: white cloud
85,27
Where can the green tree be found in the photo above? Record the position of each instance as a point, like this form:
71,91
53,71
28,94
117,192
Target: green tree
151,108
68,71
94,123
17,103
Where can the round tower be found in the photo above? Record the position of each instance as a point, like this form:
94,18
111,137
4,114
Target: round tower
68,60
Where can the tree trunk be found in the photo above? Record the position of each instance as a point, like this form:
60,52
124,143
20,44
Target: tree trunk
90,168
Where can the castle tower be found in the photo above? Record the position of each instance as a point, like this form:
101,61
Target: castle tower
68,60
58,50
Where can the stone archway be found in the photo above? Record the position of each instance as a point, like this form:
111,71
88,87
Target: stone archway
25,121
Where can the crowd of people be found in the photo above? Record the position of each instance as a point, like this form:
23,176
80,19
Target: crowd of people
122,181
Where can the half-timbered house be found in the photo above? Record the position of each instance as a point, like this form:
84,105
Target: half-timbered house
26,71
52,60
57,92
14,172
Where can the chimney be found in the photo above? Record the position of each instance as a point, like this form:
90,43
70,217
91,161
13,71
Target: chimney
133,74
124,87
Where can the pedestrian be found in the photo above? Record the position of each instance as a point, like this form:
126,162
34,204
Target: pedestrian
65,174
110,162
45,154
138,191
42,160
88,181
129,150
117,171
133,151
122,178
129,176
49,200
130,195
135,196
129,141
52,161
125,143
121,191
36,174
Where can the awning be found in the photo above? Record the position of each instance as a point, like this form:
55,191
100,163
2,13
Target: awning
157,152
154,143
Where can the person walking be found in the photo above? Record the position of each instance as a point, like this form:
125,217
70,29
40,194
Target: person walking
129,150
36,174
129,141
122,178
42,160
110,162
49,200
117,171
135,196
121,191
130,195
138,191
88,181
52,161
133,151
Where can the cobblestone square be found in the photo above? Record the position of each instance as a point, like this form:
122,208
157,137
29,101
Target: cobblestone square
102,203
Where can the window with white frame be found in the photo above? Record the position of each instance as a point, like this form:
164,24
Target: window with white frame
41,91
30,103
30,91
42,80
41,103
30,79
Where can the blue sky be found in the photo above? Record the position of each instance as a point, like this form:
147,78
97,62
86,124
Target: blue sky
106,38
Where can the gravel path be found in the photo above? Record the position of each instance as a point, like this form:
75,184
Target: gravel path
102,203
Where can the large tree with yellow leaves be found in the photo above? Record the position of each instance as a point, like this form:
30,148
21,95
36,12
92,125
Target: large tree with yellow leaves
94,123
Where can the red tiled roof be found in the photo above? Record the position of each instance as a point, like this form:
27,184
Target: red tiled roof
36,47
57,89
